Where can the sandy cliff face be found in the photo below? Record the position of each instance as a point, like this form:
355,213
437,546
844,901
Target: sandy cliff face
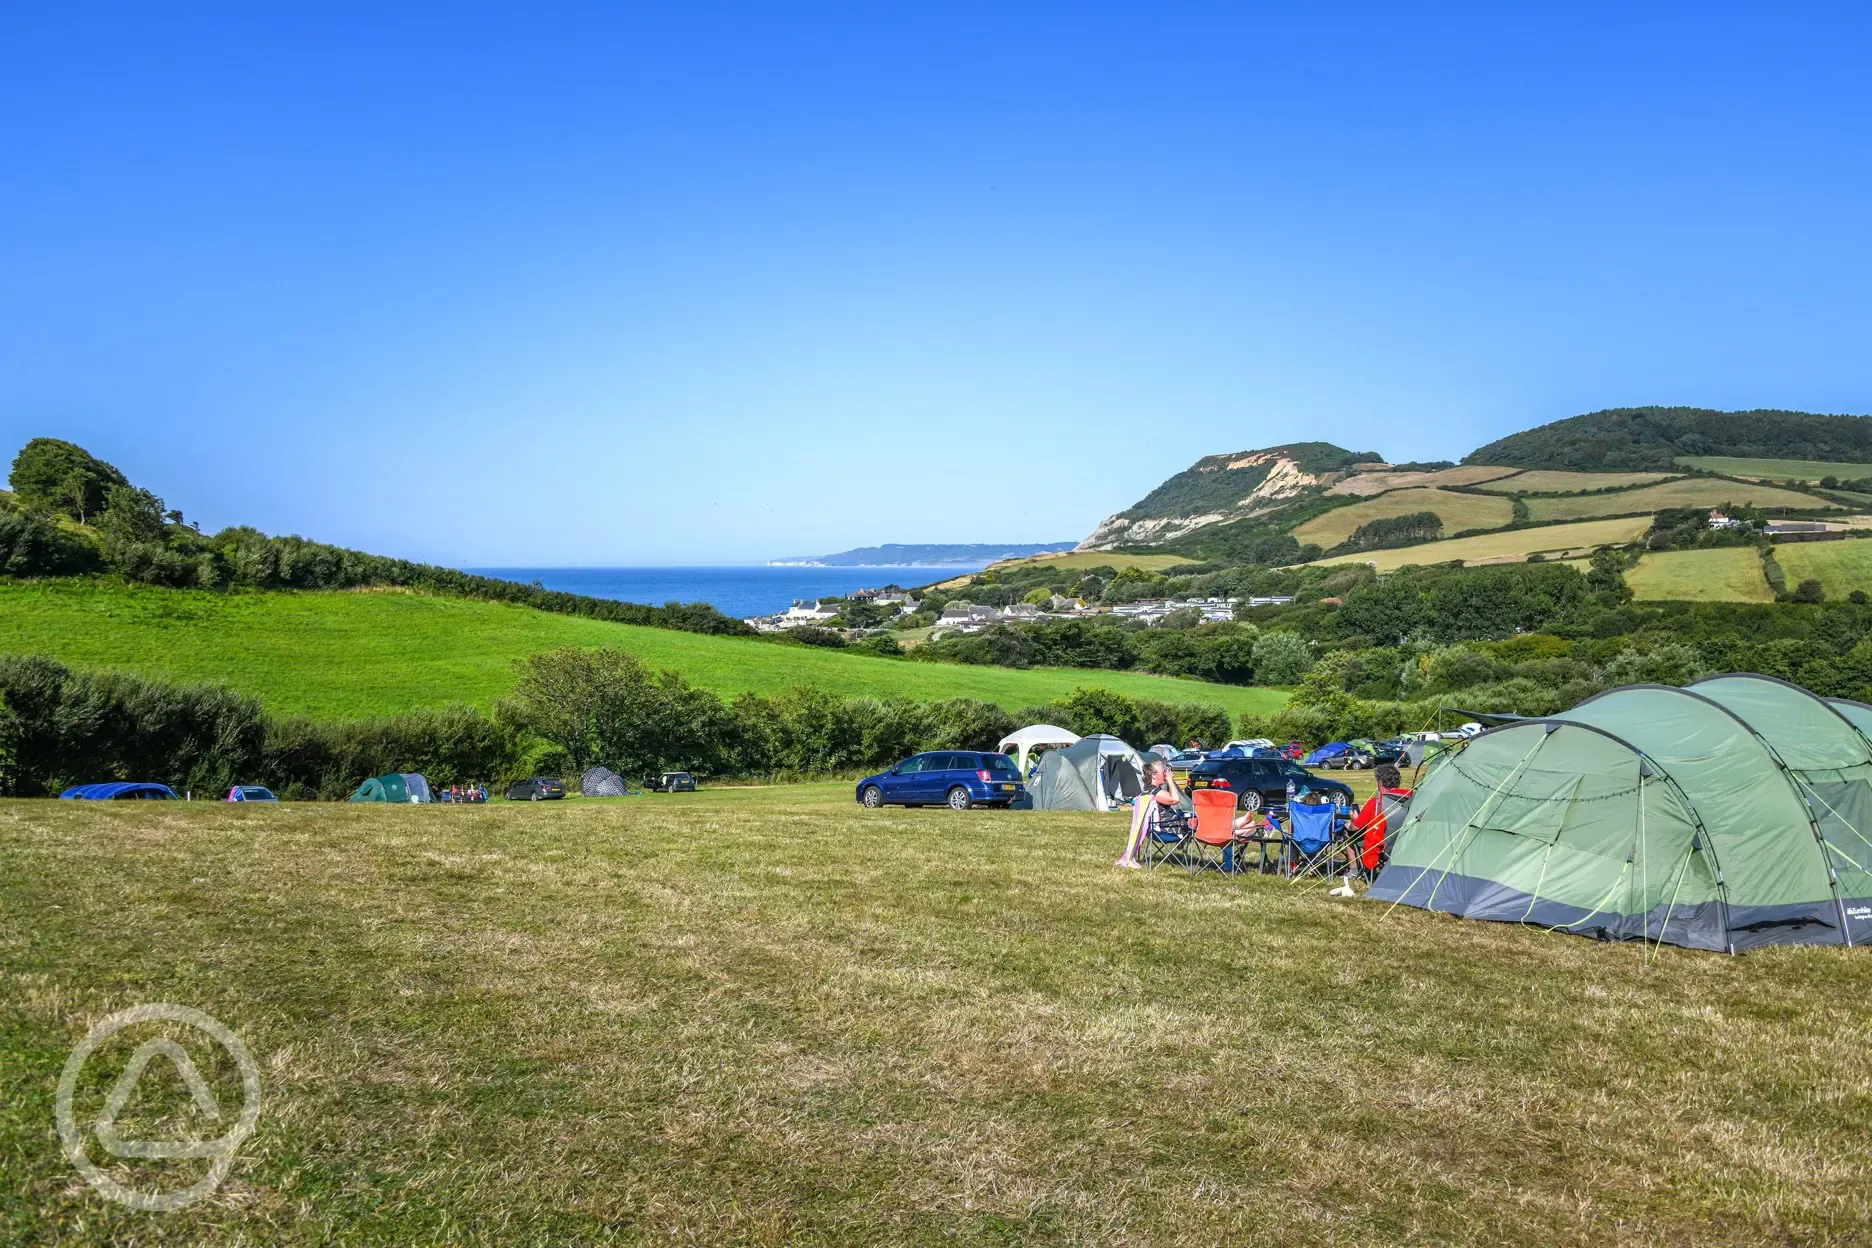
1269,479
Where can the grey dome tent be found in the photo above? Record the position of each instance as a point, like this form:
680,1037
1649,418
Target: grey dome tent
1734,813
602,782
1094,773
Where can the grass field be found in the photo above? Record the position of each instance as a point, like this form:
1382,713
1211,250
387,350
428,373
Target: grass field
1507,546
1840,567
1365,484
765,1017
1776,469
1077,560
343,654
1689,492
1543,481
1458,512
1726,574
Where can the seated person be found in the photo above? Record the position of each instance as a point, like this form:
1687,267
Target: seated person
1366,850
1163,792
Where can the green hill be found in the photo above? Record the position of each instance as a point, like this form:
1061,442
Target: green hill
1651,439
368,653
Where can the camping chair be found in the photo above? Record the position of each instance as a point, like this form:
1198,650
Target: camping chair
1167,831
1310,844
1214,843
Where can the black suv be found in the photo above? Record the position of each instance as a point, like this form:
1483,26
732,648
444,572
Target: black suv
1261,783
535,789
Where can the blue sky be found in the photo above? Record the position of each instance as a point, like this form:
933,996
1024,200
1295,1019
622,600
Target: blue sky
551,284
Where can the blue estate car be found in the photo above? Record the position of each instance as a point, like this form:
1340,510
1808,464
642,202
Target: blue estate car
959,778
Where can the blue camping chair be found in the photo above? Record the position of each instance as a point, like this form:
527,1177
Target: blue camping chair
1311,838
1166,834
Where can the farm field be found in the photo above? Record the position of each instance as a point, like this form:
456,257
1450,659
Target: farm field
1688,492
357,654
1547,481
764,1016
1458,512
1078,560
1371,483
1508,546
1840,567
1724,574
1776,469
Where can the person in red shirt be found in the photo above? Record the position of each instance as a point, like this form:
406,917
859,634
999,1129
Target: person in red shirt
1373,820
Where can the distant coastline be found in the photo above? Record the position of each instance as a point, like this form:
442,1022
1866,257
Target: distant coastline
926,555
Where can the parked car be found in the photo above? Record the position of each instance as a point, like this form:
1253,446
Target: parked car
251,793
673,782
1261,783
1296,750
960,779
535,789
119,791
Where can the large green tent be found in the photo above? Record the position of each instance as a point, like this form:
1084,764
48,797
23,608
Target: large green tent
390,788
1733,813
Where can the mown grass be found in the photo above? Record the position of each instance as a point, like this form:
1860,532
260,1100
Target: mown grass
1776,469
1548,481
1507,546
349,654
763,1016
1457,511
1725,574
1840,567
1688,492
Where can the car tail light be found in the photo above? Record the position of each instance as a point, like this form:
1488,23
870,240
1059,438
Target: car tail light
981,775
1218,783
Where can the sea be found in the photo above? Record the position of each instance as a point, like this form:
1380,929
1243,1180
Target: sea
737,591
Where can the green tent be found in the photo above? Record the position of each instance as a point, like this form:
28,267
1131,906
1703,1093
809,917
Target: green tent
390,788
1727,815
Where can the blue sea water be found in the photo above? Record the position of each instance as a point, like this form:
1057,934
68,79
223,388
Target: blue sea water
739,592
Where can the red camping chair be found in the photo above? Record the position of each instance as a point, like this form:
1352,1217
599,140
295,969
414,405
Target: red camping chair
1214,842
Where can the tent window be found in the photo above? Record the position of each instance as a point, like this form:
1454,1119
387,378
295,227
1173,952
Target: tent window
1535,807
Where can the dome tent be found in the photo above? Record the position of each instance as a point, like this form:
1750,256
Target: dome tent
1033,737
394,787
602,782
1094,773
1729,815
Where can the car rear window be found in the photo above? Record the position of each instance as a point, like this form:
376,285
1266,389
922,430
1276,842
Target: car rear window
258,795
1002,764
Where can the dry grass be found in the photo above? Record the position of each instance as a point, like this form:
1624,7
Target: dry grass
765,1017
1511,546
1688,492
1365,484
1458,512
1544,481
1725,574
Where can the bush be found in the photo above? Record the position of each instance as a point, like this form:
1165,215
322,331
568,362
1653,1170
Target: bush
1281,658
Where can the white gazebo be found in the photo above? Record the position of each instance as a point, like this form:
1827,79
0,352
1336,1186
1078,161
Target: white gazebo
1027,739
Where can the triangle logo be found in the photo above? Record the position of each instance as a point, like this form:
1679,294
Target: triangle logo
125,1087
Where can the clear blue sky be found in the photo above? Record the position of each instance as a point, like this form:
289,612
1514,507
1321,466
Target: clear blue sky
667,283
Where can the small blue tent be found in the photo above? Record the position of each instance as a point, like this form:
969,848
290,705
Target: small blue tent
119,790
1331,750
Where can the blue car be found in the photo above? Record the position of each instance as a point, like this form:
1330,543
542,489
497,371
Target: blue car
251,793
959,779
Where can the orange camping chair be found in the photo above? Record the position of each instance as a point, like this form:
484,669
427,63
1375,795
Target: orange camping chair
1213,843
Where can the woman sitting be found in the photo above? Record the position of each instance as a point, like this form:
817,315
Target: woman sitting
1163,792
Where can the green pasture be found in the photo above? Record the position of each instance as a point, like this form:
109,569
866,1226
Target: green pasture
767,1017
1840,567
1776,469
1685,492
1458,512
370,653
1507,546
1724,574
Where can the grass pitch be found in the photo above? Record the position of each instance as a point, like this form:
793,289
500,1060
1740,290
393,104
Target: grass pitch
1840,567
1688,492
1725,574
766,1017
354,654
1457,511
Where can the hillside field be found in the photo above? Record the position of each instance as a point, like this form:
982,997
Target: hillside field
1508,546
1688,492
1776,469
765,1016
1366,484
357,654
1724,574
1457,511
1548,481
1079,560
1840,567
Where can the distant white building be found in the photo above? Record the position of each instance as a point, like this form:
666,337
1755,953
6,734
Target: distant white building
1717,520
800,615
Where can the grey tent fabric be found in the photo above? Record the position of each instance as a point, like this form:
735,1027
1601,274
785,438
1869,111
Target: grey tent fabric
602,782
418,787
1094,773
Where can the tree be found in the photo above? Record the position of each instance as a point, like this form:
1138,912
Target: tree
52,475
603,706
1809,590
1281,658
132,515
1606,574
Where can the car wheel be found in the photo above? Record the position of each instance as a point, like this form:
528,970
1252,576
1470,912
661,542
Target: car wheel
1251,800
1341,800
959,798
872,797
536,796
